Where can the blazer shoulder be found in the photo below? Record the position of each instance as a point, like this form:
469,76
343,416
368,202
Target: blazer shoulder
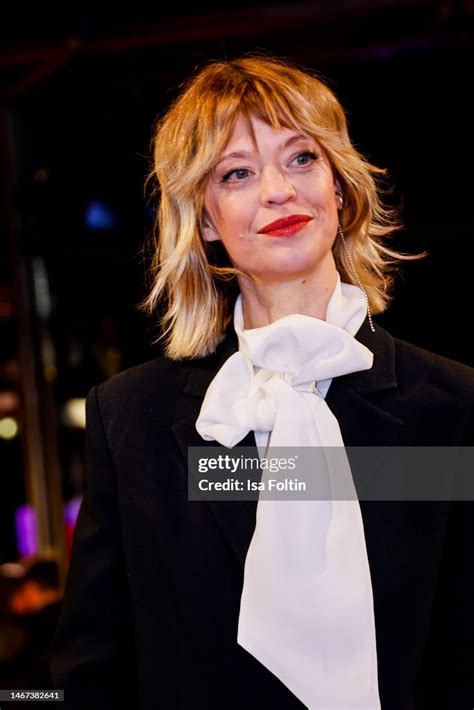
131,388
415,365
432,392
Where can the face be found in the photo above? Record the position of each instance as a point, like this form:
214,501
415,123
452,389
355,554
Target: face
281,175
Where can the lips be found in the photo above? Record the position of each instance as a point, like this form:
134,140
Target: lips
286,226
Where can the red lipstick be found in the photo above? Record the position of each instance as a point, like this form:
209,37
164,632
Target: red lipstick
286,226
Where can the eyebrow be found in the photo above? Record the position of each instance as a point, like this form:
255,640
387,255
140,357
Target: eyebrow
245,154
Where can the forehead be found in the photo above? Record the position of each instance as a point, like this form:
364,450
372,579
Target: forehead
249,133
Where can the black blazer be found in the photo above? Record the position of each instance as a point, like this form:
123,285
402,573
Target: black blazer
152,597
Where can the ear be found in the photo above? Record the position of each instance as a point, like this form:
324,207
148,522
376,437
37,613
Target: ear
339,195
208,230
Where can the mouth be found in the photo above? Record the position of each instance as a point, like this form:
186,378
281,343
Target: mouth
286,226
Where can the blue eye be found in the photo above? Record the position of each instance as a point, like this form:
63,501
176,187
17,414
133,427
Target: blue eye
240,174
306,157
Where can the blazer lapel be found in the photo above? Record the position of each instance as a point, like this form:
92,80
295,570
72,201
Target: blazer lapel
235,518
362,423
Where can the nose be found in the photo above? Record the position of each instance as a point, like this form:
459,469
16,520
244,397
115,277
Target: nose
276,187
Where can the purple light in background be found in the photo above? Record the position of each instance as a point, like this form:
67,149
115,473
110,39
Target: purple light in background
25,526
71,511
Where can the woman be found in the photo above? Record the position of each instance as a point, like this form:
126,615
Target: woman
271,263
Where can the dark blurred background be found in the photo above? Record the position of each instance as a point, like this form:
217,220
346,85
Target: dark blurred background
79,94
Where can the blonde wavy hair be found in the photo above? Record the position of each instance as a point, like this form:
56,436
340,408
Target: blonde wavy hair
196,285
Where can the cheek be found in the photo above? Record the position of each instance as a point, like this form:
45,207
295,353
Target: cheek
236,220
319,191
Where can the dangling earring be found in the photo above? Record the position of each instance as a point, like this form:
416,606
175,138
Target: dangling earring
349,256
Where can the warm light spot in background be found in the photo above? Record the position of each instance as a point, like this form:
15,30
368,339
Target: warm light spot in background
74,413
8,428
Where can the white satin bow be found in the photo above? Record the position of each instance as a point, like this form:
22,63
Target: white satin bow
306,608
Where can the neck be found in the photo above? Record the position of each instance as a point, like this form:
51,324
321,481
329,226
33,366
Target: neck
266,301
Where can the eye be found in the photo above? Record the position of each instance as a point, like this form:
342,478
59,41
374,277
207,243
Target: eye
305,158
238,173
